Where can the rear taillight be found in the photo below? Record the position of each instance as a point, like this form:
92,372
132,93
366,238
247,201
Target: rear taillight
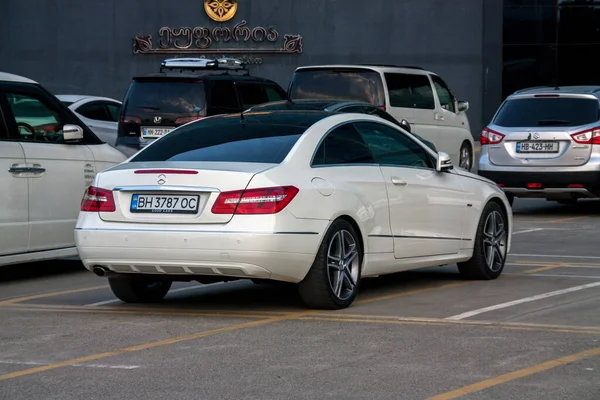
128,119
269,200
98,200
589,136
489,136
185,120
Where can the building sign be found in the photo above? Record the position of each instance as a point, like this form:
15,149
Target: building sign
239,39
220,10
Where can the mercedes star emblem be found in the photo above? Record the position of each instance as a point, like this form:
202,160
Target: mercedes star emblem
162,179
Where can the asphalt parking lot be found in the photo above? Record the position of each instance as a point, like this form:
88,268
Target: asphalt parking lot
532,334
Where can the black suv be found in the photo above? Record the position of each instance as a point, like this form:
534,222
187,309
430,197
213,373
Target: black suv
187,89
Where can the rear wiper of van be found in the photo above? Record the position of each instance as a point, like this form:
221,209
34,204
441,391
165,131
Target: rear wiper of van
149,108
553,122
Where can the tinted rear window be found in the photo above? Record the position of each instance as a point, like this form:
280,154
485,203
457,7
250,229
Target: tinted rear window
225,142
177,97
347,84
551,111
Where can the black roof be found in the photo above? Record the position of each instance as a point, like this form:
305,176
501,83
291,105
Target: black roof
188,75
299,118
301,104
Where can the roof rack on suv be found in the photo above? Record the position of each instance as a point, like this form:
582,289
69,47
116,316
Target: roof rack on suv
395,66
535,87
203,64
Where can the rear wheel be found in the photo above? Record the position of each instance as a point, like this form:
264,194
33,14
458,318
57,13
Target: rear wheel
465,160
333,280
139,289
490,247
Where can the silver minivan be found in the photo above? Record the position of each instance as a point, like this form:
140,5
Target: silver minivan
544,142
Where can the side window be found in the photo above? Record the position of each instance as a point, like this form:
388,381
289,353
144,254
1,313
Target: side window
94,110
35,120
223,97
446,97
343,145
410,91
113,110
251,94
400,92
273,94
391,147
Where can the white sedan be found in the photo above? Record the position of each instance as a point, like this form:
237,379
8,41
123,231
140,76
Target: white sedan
318,199
100,114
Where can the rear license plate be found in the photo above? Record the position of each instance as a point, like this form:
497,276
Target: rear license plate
537,147
158,204
150,132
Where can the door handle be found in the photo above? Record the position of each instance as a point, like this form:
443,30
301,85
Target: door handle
398,182
19,169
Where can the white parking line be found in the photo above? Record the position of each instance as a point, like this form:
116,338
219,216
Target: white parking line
554,256
521,301
73,365
112,301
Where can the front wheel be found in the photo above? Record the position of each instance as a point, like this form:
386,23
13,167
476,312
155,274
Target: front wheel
333,280
465,160
490,247
139,289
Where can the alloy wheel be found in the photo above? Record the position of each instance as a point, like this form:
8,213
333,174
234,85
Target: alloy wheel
343,264
494,241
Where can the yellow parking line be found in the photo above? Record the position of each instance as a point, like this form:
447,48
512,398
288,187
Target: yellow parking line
447,323
50,294
511,376
408,293
558,221
89,310
545,268
151,345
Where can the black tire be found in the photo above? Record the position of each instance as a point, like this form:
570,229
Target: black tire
139,289
478,268
316,289
466,148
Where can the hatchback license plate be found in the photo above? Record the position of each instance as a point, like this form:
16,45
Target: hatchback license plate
141,203
537,147
148,132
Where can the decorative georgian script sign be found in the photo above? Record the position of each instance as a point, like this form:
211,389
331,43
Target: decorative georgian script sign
240,39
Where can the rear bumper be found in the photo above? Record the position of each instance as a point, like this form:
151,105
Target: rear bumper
551,184
189,252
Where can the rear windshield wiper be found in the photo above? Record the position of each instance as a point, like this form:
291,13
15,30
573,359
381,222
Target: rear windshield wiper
553,122
149,108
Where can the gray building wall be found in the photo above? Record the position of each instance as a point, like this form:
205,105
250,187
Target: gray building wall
86,47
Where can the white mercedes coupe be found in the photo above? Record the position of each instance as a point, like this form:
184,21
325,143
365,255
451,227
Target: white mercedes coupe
308,197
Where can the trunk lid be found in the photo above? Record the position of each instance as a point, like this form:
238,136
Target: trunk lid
548,147
538,129
173,192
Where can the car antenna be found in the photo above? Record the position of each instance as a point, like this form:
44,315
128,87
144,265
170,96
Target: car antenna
239,100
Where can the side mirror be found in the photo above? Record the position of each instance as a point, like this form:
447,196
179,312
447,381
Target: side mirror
463,106
405,125
72,133
444,162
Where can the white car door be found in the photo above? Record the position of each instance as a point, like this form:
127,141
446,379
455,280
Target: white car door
14,213
453,126
427,208
57,177
411,97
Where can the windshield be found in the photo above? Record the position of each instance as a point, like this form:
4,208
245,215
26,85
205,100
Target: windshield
547,111
176,97
235,142
339,83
